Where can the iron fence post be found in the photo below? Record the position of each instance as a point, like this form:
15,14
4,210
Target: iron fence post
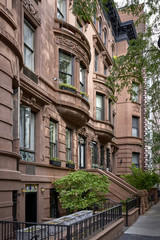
68,233
127,213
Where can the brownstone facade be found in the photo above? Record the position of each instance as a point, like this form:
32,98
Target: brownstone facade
44,121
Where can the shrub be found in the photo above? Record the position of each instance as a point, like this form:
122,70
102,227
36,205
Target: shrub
80,189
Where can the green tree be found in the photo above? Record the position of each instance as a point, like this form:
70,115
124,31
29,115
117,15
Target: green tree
142,180
80,189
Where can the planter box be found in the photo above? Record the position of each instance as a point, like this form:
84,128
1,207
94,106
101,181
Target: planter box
85,97
68,89
69,165
55,163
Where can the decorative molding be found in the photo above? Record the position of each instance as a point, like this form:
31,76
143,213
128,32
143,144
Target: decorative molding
11,41
31,9
72,45
5,13
136,109
27,85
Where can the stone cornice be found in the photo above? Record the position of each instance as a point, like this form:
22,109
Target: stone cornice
32,10
30,87
7,15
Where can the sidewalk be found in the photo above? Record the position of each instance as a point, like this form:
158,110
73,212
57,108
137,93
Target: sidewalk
147,226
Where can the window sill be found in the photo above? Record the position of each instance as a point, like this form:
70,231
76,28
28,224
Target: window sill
30,74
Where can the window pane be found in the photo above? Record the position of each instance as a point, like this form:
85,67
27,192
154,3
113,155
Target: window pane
28,36
29,58
105,38
100,27
134,132
135,159
52,131
61,9
27,117
82,155
99,107
65,63
68,138
32,130
65,68
82,79
96,61
21,127
135,96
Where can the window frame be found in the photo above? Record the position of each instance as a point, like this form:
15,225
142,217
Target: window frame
105,70
80,153
109,109
51,143
105,37
135,127
101,110
26,46
83,82
102,155
69,149
62,14
72,67
135,89
94,153
137,154
96,60
100,27
27,152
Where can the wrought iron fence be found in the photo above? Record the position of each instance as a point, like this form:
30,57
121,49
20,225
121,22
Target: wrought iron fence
130,205
150,198
103,205
80,230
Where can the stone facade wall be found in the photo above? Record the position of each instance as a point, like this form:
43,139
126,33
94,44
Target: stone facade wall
39,91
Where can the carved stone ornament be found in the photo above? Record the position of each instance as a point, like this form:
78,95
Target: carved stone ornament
83,132
61,40
136,109
31,9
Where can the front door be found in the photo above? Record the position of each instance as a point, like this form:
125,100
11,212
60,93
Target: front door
53,203
31,207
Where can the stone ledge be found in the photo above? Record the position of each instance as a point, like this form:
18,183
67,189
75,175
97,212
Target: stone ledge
111,232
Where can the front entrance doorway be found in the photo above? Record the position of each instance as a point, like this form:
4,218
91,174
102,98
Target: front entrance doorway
53,203
31,207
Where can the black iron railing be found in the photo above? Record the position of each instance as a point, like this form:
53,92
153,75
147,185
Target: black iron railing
80,230
103,205
150,198
130,205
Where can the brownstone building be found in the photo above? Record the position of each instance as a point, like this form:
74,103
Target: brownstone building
55,111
